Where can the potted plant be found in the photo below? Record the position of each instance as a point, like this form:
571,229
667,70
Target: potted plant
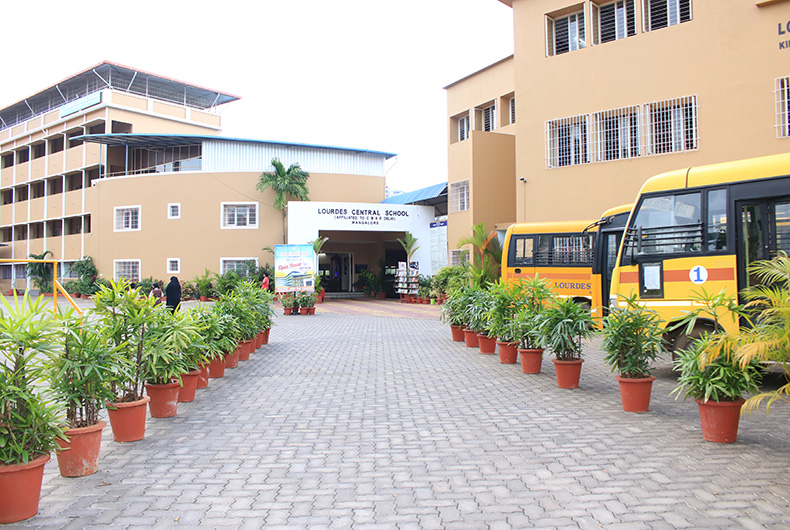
711,375
505,299
453,312
41,273
537,294
633,337
30,424
477,306
563,325
80,375
307,303
204,285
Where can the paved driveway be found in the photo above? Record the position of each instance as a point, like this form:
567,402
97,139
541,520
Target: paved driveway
376,422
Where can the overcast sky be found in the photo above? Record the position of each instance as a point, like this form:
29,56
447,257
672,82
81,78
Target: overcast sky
365,74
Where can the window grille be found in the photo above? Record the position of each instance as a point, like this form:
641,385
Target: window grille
463,128
240,215
565,34
616,134
672,125
664,13
173,265
458,257
512,110
489,118
613,21
567,141
127,218
782,96
128,269
240,265
458,196
174,211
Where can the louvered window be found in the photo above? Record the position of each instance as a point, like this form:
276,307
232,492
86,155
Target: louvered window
463,128
566,34
458,196
782,96
672,125
512,110
489,118
664,13
616,134
613,21
567,141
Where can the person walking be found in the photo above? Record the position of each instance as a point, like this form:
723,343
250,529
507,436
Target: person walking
265,283
157,293
173,294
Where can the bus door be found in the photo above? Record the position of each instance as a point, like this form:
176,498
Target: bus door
610,242
764,228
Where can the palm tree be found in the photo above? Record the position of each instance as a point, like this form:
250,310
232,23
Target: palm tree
41,273
286,184
486,256
409,244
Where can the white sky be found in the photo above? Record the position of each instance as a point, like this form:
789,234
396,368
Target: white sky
365,74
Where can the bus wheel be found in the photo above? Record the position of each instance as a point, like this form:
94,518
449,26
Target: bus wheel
682,341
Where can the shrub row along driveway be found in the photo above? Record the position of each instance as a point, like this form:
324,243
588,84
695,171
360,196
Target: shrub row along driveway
359,421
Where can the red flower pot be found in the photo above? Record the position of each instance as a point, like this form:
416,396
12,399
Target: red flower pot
288,310
531,360
304,310
216,368
719,419
266,335
258,340
487,344
635,393
189,381
311,310
457,333
568,372
80,455
232,359
202,381
244,349
164,399
127,419
20,489
470,338
508,352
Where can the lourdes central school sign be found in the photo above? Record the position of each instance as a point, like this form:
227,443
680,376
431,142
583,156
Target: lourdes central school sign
362,216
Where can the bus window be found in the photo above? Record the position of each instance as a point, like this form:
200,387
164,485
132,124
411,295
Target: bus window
782,220
522,251
670,224
717,220
542,256
573,249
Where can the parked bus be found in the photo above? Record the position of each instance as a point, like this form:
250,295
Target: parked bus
577,257
699,228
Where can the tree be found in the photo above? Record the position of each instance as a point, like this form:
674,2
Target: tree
486,256
41,273
409,244
286,184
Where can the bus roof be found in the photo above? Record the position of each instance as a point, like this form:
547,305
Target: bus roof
623,208
550,227
722,173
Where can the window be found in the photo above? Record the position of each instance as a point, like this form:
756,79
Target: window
565,33
486,118
512,106
463,128
672,125
616,134
459,256
782,96
126,268
717,220
173,265
240,265
238,215
127,218
566,141
458,196
521,251
174,210
613,21
664,13
37,189
669,224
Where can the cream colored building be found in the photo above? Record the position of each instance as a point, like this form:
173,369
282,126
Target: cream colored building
612,92
128,167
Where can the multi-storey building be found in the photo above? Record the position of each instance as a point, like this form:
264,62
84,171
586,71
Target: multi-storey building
127,167
611,92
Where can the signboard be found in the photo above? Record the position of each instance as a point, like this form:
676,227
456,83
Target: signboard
80,104
294,268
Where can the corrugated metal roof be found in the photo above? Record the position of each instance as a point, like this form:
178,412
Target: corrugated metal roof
423,194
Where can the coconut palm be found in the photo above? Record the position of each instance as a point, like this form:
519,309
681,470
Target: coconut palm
286,184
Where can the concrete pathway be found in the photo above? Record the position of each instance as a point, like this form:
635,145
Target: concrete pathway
359,421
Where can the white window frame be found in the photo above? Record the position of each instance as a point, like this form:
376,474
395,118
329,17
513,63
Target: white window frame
170,210
463,127
170,270
458,196
223,217
578,141
458,256
117,262
487,117
620,19
223,260
511,105
122,228
625,136
577,26
683,136
673,14
782,98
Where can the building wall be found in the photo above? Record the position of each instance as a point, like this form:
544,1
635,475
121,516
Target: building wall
728,56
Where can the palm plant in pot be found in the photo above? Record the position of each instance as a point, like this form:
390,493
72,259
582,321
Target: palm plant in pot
478,305
632,339
453,312
563,325
506,298
537,294
80,376
30,424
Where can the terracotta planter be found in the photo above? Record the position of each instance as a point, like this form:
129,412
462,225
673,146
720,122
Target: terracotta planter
202,381
470,338
216,368
311,310
457,333
531,360
719,419
243,350
189,381
508,352
258,340
164,399
232,359
635,393
204,298
304,310
76,295
266,335
20,489
128,419
288,310
80,455
568,372
487,344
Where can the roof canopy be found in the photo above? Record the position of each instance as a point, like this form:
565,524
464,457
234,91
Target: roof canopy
435,196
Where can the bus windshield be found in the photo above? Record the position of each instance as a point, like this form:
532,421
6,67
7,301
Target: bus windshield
668,224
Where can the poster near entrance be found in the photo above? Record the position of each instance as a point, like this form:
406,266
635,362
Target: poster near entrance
294,268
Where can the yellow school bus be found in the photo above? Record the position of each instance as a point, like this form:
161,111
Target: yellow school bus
577,257
701,227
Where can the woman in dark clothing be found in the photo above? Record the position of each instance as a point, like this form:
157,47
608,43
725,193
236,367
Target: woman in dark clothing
173,294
